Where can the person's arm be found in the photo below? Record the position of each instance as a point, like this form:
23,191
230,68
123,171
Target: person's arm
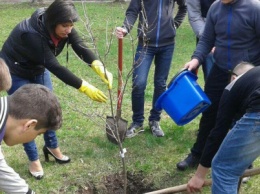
130,19
39,53
88,56
226,112
131,14
10,181
80,48
207,39
196,20
196,182
181,13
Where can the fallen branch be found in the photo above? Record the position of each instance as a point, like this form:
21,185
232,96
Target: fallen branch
181,188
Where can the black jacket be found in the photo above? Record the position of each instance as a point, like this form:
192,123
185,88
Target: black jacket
205,5
29,49
239,97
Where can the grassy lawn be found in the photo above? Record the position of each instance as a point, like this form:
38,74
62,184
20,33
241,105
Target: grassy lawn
82,136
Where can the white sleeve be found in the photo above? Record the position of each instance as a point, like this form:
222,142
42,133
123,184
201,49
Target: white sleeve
10,181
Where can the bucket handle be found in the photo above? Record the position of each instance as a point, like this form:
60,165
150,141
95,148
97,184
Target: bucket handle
177,74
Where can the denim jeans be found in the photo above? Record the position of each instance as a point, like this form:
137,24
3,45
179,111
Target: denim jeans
214,87
207,65
50,136
144,57
239,149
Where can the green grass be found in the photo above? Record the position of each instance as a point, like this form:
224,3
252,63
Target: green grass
82,136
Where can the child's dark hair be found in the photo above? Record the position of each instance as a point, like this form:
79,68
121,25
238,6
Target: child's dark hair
35,101
59,12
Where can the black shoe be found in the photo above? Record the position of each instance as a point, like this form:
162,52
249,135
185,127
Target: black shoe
189,162
47,152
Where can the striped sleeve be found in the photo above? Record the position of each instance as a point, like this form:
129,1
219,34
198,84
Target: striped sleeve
3,114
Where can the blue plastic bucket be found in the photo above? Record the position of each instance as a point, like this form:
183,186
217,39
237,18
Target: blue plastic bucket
184,98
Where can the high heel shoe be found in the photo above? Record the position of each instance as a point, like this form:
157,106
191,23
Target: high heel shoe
35,169
37,175
46,152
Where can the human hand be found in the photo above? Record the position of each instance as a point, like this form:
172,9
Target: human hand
92,92
198,180
120,32
192,65
105,75
195,184
213,50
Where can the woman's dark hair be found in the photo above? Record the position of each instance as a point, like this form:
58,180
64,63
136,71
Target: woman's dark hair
59,12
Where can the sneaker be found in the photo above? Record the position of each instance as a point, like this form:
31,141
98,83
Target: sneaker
134,129
189,162
156,129
245,179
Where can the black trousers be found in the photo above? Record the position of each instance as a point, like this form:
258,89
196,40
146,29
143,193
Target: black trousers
215,84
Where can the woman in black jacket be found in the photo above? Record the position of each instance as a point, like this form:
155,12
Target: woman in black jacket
30,52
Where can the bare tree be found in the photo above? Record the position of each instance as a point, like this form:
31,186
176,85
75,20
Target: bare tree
98,114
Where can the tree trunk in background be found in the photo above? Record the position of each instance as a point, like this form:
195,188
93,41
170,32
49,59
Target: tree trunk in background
40,1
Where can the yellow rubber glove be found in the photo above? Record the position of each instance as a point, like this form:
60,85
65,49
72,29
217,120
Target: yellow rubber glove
92,92
106,76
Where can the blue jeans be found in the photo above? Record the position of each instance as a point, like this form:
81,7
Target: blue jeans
144,57
50,136
207,65
239,149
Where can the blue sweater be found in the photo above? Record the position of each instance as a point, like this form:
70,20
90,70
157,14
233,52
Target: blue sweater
234,30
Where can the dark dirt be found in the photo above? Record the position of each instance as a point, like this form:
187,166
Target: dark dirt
114,184
136,184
